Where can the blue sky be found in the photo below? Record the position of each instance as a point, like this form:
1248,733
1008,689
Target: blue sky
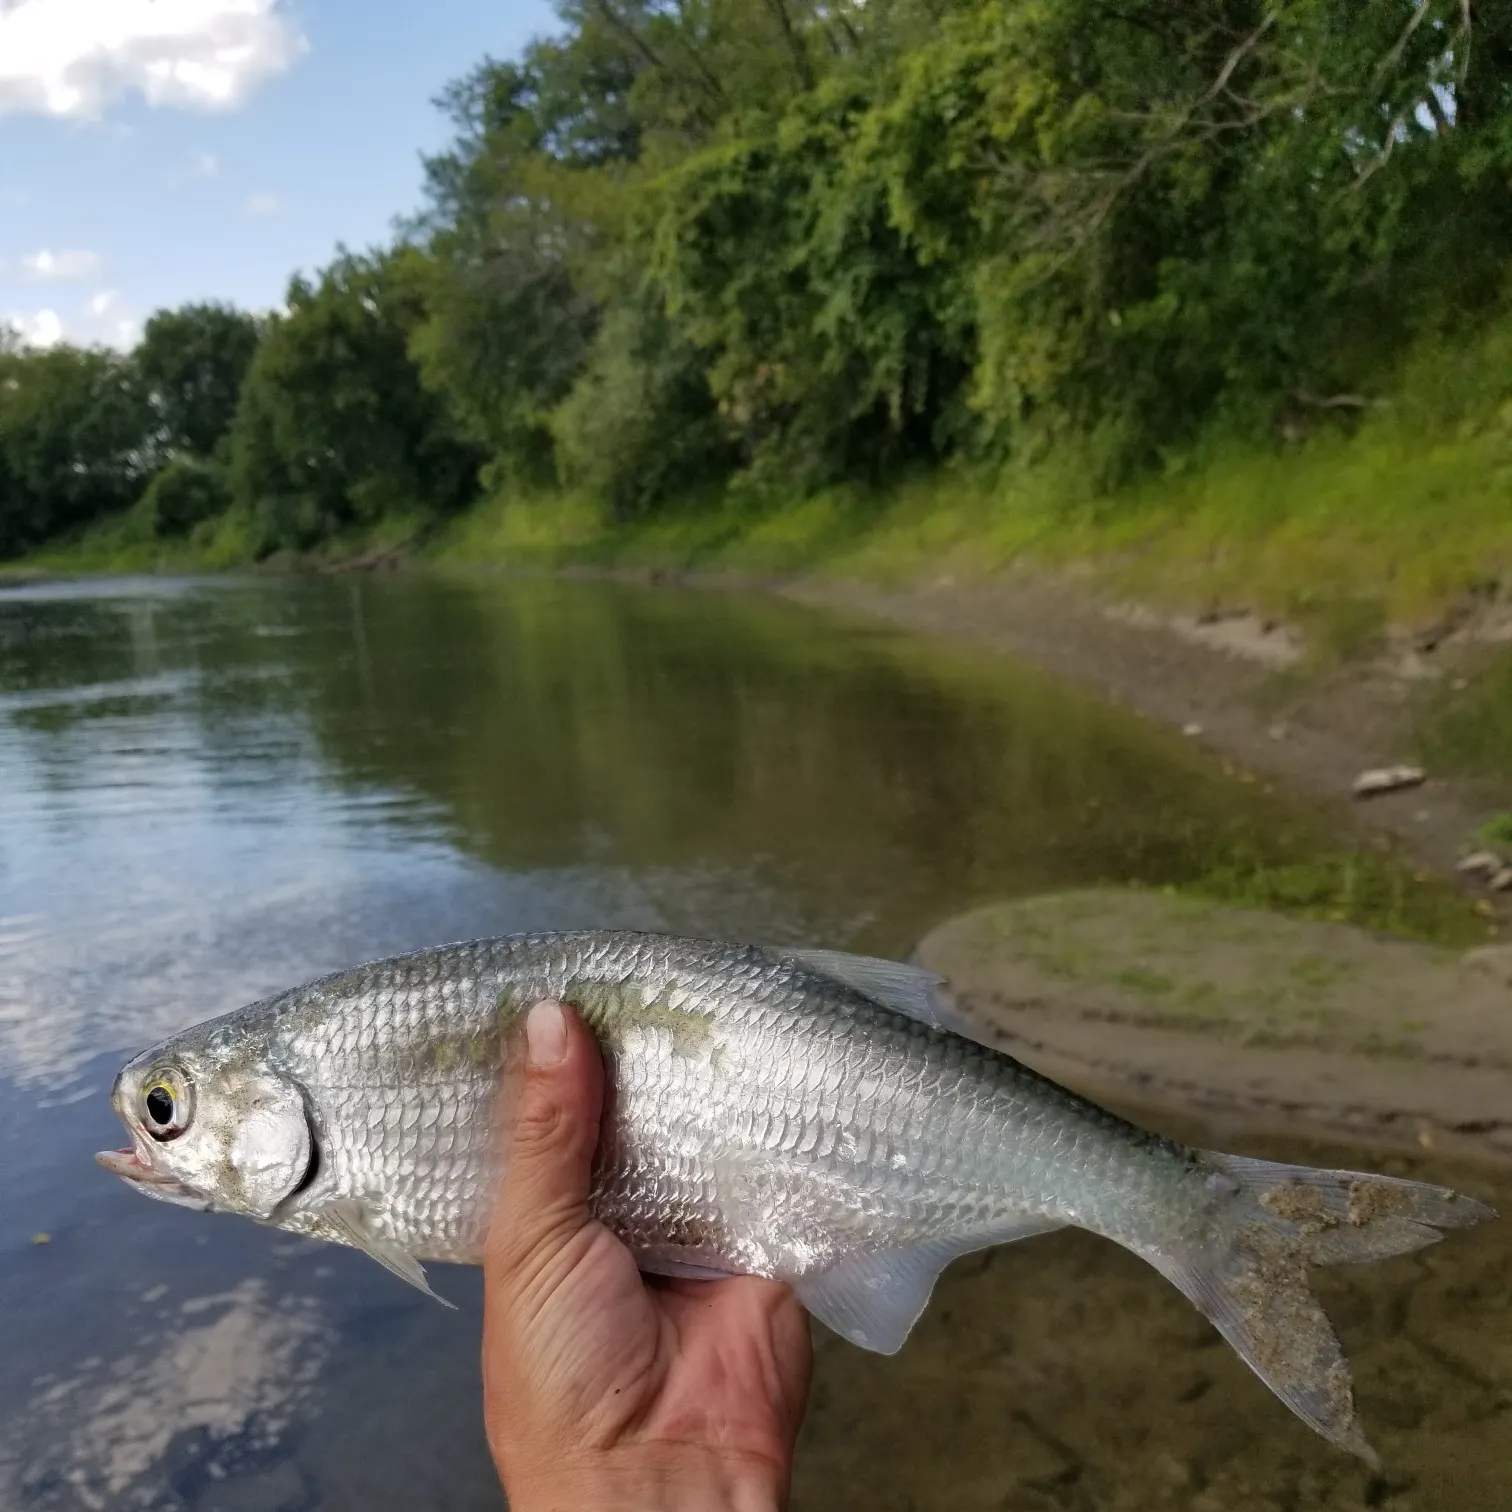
154,152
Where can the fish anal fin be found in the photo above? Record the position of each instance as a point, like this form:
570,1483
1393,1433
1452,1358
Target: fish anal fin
351,1220
874,1297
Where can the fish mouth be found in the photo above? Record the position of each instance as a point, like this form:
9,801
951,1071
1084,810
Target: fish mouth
130,1167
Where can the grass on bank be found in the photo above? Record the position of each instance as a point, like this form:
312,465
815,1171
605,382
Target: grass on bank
1399,513
1400,520
121,544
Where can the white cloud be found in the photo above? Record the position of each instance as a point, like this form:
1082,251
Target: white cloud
260,206
102,320
112,323
72,57
42,329
60,267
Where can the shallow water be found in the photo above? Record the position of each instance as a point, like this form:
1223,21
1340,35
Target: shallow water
212,790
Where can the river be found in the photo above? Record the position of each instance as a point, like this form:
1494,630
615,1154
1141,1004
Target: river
213,789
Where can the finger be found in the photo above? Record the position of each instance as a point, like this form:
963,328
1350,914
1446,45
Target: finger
548,1158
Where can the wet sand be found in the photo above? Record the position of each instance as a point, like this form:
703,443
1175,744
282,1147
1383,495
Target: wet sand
1250,1020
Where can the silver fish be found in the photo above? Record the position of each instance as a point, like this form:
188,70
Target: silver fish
821,1118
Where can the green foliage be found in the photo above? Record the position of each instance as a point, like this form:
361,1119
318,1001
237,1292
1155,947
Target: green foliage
640,425
334,427
736,251
71,431
185,493
910,232
1498,830
192,362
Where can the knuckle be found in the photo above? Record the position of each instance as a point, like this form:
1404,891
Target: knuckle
541,1120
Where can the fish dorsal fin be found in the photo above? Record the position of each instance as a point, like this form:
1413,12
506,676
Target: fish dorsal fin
909,990
351,1219
875,1297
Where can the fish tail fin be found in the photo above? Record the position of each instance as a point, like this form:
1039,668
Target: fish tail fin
1249,1276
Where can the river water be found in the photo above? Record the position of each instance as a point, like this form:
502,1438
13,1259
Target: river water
211,790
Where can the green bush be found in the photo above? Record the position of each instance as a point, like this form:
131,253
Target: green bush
640,424
182,495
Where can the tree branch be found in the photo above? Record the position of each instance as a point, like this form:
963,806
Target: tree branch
1104,205
628,32
1393,55
794,42
714,87
1335,401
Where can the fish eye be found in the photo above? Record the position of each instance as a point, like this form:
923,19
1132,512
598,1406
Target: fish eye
167,1104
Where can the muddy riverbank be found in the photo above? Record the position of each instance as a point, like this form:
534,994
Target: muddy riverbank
1252,1022
1248,690
1244,688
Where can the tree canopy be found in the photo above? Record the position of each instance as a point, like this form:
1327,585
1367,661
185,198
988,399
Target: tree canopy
768,244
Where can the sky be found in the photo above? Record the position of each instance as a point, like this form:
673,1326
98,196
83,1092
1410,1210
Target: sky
158,152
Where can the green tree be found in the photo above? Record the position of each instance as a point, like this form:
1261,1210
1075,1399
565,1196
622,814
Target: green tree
73,426
192,361
640,423
333,426
922,228
184,493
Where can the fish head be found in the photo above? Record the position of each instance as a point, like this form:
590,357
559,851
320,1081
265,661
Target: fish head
212,1127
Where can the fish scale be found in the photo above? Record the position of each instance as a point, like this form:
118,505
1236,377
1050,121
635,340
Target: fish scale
820,1118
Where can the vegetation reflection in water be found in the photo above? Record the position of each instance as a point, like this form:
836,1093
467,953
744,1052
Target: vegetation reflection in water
881,772
884,779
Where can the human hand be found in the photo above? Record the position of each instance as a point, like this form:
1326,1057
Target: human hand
603,1388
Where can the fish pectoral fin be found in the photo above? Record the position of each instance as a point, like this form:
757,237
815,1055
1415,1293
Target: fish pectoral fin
909,990
874,1298
351,1219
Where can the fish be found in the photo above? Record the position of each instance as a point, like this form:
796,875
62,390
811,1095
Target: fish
826,1119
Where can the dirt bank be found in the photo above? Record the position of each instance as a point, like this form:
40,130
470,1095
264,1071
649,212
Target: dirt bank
1241,686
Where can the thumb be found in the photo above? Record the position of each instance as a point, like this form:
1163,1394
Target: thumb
549,1145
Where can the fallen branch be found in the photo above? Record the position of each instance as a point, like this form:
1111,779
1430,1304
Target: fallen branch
1336,401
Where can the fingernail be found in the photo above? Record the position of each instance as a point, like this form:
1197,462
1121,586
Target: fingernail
545,1034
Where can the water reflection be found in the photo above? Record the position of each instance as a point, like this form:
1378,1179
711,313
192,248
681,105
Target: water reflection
210,1393
209,791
